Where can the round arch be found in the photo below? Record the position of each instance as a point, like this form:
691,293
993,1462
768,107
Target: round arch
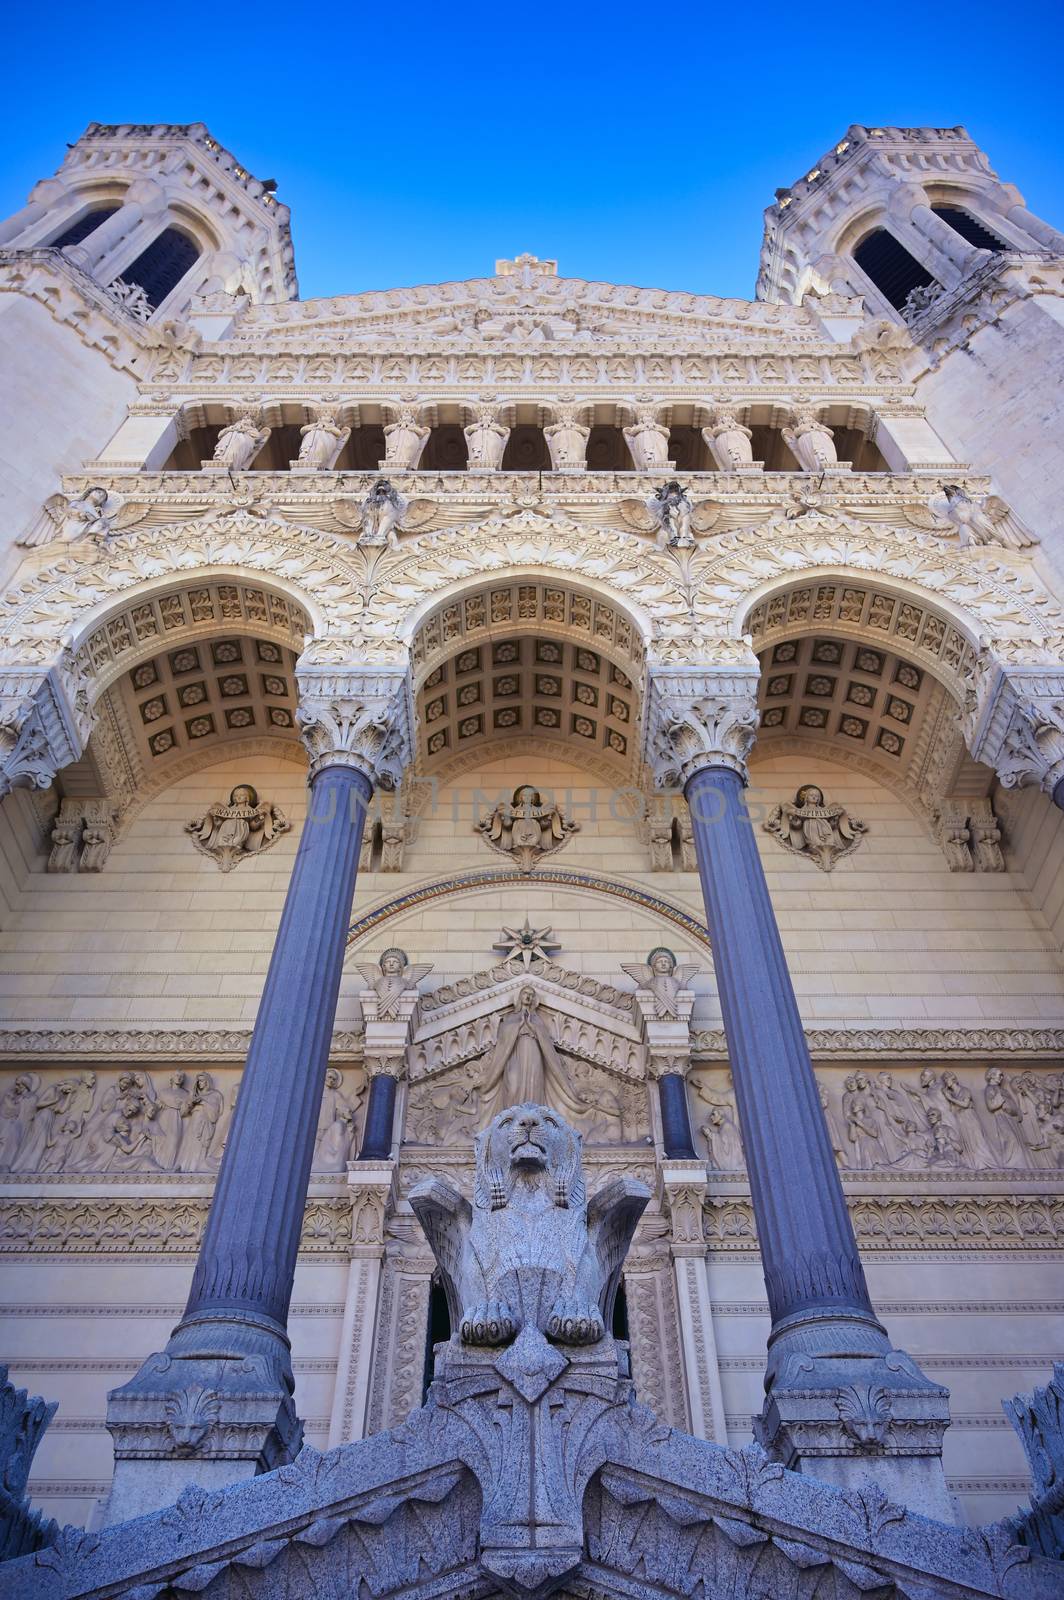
674,917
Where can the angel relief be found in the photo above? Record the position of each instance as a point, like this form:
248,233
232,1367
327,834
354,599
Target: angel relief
669,515
230,832
526,828
808,826
975,519
663,978
97,513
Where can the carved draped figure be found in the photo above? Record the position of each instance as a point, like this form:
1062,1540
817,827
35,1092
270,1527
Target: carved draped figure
525,1068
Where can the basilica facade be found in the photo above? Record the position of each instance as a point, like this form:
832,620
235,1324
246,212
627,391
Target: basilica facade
431,700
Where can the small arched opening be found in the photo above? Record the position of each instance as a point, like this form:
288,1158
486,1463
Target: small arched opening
885,261
87,223
970,228
437,1331
159,269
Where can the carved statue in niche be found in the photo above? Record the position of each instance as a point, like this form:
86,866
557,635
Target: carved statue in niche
525,828
245,826
530,1225
648,442
810,827
405,438
322,440
336,1124
486,439
567,441
240,442
390,978
664,977
728,441
811,442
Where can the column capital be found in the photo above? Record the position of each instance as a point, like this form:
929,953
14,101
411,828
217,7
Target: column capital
1014,722
45,722
700,716
359,717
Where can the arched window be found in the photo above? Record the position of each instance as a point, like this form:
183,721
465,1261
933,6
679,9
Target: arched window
969,228
160,268
891,268
87,223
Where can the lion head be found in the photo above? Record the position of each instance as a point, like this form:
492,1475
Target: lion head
530,1142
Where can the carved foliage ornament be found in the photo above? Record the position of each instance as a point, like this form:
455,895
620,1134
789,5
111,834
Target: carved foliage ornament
808,826
232,831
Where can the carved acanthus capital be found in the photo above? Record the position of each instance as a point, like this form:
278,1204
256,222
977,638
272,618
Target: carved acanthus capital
45,722
1015,723
700,717
357,717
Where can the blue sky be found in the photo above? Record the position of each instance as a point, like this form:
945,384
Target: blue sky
637,143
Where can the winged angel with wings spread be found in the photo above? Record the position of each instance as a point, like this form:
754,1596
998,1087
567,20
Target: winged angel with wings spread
664,978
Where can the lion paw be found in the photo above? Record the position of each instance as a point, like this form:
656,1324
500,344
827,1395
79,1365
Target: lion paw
491,1323
575,1322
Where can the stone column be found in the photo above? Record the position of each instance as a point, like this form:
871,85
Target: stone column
840,1402
144,198
667,1031
216,1405
390,1015
1041,232
1014,722
373,1197
47,198
909,207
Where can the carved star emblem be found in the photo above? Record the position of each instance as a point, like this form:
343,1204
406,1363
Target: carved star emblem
526,944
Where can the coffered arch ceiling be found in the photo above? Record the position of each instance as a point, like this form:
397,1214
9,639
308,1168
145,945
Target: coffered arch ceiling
870,674
528,660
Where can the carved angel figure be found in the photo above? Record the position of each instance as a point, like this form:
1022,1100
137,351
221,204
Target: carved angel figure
669,515
231,831
390,978
808,826
664,977
526,828
381,513
982,519
532,1251
96,514
322,440
240,442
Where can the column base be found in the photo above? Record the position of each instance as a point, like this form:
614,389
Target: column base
841,1404
212,1408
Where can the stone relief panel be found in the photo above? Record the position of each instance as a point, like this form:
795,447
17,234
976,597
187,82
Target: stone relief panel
909,1119
136,1121
526,828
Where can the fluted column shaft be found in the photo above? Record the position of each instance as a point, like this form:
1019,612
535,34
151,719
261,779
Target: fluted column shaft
248,1255
675,1117
812,1267
380,1119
